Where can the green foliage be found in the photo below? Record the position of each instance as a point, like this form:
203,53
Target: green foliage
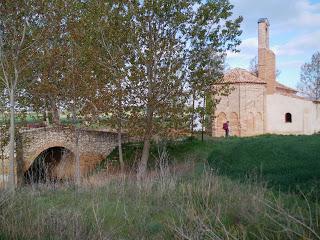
131,154
133,61
180,151
284,162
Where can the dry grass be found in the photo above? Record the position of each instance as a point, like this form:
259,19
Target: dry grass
173,202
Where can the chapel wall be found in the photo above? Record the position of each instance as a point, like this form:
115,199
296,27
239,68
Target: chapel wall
243,108
305,115
317,116
252,109
227,109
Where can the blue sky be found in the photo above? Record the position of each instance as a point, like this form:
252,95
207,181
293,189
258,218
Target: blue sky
294,34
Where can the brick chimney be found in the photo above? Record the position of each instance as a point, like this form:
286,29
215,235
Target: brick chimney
266,58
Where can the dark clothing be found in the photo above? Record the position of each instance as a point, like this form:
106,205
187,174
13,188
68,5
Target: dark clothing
226,128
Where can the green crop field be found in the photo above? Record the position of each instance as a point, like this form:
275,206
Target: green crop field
284,162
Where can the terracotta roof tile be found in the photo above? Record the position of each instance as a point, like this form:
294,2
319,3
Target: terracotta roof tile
281,86
239,75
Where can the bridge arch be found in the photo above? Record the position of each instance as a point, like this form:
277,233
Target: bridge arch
94,146
54,162
31,156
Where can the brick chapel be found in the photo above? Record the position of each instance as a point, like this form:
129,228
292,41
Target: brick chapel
259,104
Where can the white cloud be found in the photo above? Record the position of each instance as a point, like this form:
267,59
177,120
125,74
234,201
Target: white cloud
308,15
307,43
294,33
284,15
250,43
302,44
248,50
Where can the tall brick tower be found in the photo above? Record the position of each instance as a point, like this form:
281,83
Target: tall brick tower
266,58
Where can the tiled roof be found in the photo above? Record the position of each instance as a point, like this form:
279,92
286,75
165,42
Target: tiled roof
299,97
239,75
281,86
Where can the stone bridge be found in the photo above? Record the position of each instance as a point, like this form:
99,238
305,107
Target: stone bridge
54,149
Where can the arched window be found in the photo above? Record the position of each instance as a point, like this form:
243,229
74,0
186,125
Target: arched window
288,118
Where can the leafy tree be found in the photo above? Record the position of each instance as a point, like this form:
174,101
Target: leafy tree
212,34
310,78
3,131
16,37
51,59
109,22
157,66
76,84
138,62
178,45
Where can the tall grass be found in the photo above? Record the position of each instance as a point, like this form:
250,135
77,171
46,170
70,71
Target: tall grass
173,202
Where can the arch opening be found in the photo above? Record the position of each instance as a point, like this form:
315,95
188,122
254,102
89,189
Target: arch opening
250,124
234,124
288,118
221,119
53,164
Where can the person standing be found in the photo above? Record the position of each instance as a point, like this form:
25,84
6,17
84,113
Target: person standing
226,128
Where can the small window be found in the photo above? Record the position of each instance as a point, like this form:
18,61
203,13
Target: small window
288,118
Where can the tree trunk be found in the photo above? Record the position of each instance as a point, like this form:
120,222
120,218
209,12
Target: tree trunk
149,118
202,130
144,159
77,174
148,131
2,164
77,160
146,147
203,118
55,113
192,116
119,115
11,180
19,160
120,146
45,117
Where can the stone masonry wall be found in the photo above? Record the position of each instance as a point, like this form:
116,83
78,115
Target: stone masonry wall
243,108
94,146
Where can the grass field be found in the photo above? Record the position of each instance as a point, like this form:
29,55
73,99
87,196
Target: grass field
284,162
204,193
